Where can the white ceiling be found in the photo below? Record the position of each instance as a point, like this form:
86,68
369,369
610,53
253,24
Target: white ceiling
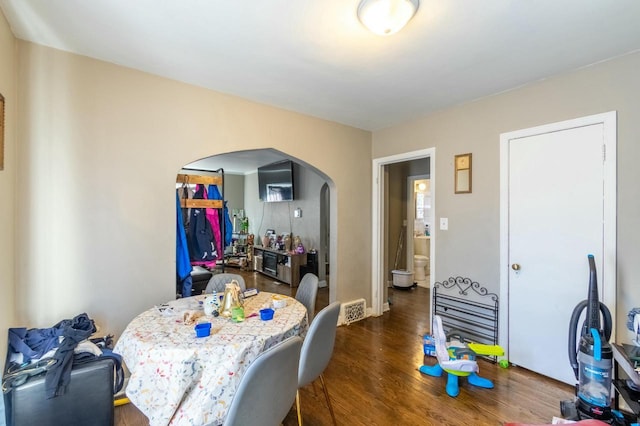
314,57
240,162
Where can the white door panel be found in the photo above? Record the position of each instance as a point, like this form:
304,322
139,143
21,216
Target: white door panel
555,219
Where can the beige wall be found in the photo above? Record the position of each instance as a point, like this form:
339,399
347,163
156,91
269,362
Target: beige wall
280,216
397,201
475,127
234,192
97,231
8,85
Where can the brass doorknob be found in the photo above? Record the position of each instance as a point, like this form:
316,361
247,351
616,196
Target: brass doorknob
515,267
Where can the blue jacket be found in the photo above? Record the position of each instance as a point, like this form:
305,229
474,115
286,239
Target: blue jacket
183,263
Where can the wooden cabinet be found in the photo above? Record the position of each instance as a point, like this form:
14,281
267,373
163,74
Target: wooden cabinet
280,265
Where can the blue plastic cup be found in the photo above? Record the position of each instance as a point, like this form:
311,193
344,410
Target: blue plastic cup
266,314
203,329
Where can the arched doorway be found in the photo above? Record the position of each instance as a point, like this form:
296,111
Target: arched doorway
307,216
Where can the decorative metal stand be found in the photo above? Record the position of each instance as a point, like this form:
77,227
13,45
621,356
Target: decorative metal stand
467,309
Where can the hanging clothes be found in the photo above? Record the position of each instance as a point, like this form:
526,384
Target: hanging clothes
214,194
214,218
202,247
185,192
228,226
183,262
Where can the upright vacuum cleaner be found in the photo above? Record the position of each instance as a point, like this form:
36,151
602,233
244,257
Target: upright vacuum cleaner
591,358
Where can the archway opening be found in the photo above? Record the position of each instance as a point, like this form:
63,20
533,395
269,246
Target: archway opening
306,217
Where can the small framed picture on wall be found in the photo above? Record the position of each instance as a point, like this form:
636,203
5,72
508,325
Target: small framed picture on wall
462,180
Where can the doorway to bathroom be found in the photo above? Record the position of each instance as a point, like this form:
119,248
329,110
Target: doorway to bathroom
419,226
390,199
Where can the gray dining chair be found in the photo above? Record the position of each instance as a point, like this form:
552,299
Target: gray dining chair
268,388
307,293
218,281
317,349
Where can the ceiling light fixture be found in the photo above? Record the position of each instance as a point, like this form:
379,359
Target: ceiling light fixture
386,17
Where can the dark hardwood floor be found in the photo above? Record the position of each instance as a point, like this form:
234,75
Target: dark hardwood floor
373,377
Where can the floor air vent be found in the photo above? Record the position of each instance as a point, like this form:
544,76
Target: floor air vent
354,311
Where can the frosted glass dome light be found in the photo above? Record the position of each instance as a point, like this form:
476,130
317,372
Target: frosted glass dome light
386,17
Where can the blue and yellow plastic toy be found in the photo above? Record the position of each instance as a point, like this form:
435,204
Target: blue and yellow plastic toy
458,360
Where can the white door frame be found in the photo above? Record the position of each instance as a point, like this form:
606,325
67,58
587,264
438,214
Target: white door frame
378,280
608,120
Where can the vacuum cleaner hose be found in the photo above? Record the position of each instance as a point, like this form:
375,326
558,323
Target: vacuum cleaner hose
573,327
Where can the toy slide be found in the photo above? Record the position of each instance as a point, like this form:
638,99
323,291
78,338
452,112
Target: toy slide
486,350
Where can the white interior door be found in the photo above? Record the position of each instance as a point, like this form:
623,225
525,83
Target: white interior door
557,207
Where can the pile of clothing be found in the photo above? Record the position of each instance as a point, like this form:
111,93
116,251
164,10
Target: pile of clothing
56,350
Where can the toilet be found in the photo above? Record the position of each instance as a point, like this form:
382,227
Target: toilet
420,267
421,259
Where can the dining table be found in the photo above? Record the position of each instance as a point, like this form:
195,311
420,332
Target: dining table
177,378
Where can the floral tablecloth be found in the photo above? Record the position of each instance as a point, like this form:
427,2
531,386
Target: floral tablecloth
180,379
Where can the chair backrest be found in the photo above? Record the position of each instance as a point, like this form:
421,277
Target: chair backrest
307,293
442,352
268,388
318,344
218,281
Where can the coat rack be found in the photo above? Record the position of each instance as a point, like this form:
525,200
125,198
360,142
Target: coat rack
188,203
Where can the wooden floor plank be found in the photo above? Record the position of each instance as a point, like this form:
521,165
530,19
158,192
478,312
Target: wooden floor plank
373,377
